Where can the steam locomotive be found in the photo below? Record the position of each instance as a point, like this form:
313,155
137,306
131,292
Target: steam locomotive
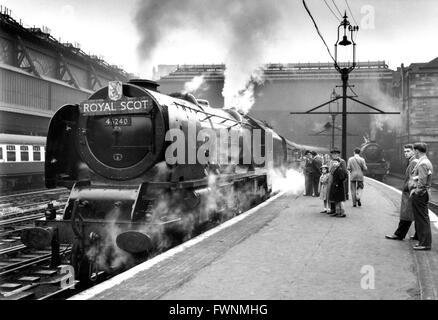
127,201
373,154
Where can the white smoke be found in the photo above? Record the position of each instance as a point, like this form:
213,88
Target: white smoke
290,181
244,30
242,99
195,84
107,256
383,101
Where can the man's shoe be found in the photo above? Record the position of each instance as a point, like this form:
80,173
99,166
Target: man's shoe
413,238
354,205
342,215
325,211
393,237
423,248
359,203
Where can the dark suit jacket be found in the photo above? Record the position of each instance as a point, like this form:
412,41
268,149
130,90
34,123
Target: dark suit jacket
316,164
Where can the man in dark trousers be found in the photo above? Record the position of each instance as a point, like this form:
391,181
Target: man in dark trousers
308,173
422,172
406,211
316,174
335,154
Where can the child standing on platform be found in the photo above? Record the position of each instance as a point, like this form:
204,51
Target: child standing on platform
323,182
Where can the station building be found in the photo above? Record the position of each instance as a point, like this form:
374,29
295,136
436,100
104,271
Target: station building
416,88
39,74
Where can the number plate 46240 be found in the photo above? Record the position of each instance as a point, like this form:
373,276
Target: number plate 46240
118,121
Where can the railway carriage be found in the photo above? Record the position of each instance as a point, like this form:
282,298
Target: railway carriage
21,162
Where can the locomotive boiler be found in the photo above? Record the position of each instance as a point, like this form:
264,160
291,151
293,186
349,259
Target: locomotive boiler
127,200
373,154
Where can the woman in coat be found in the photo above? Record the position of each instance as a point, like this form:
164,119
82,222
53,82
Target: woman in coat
337,191
322,188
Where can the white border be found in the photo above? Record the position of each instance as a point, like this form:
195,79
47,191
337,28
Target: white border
116,280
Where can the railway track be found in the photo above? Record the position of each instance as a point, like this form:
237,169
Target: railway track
29,274
33,197
33,206
26,273
11,227
397,182
28,215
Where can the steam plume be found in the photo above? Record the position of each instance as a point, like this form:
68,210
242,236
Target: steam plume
384,102
195,84
245,29
291,181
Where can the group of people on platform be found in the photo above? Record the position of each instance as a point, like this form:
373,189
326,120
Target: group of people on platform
328,178
415,197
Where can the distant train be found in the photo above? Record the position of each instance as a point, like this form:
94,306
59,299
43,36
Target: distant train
21,162
126,199
373,154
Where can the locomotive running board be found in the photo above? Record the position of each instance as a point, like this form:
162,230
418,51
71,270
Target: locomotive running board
224,178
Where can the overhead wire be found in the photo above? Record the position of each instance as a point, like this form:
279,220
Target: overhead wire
352,16
353,91
319,33
351,12
334,14
340,13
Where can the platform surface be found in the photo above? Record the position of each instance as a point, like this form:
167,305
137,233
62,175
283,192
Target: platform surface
289,250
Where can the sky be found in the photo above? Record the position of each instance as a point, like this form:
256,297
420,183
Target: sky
137,35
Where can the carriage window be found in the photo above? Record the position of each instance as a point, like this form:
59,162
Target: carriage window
24,153
10,153
1,153
36,153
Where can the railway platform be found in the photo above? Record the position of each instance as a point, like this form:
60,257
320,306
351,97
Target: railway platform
285,249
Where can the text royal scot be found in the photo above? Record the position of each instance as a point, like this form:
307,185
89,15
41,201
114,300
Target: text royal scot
126,105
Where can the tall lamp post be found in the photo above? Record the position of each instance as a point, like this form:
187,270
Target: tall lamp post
347,40
345,71
333,116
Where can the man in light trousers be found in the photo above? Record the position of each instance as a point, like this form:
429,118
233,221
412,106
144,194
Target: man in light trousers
356,165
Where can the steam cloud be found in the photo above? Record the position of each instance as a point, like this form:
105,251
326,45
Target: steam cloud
245,29
291,181
195,84
386,103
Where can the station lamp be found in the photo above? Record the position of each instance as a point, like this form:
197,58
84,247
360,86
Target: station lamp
347,38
